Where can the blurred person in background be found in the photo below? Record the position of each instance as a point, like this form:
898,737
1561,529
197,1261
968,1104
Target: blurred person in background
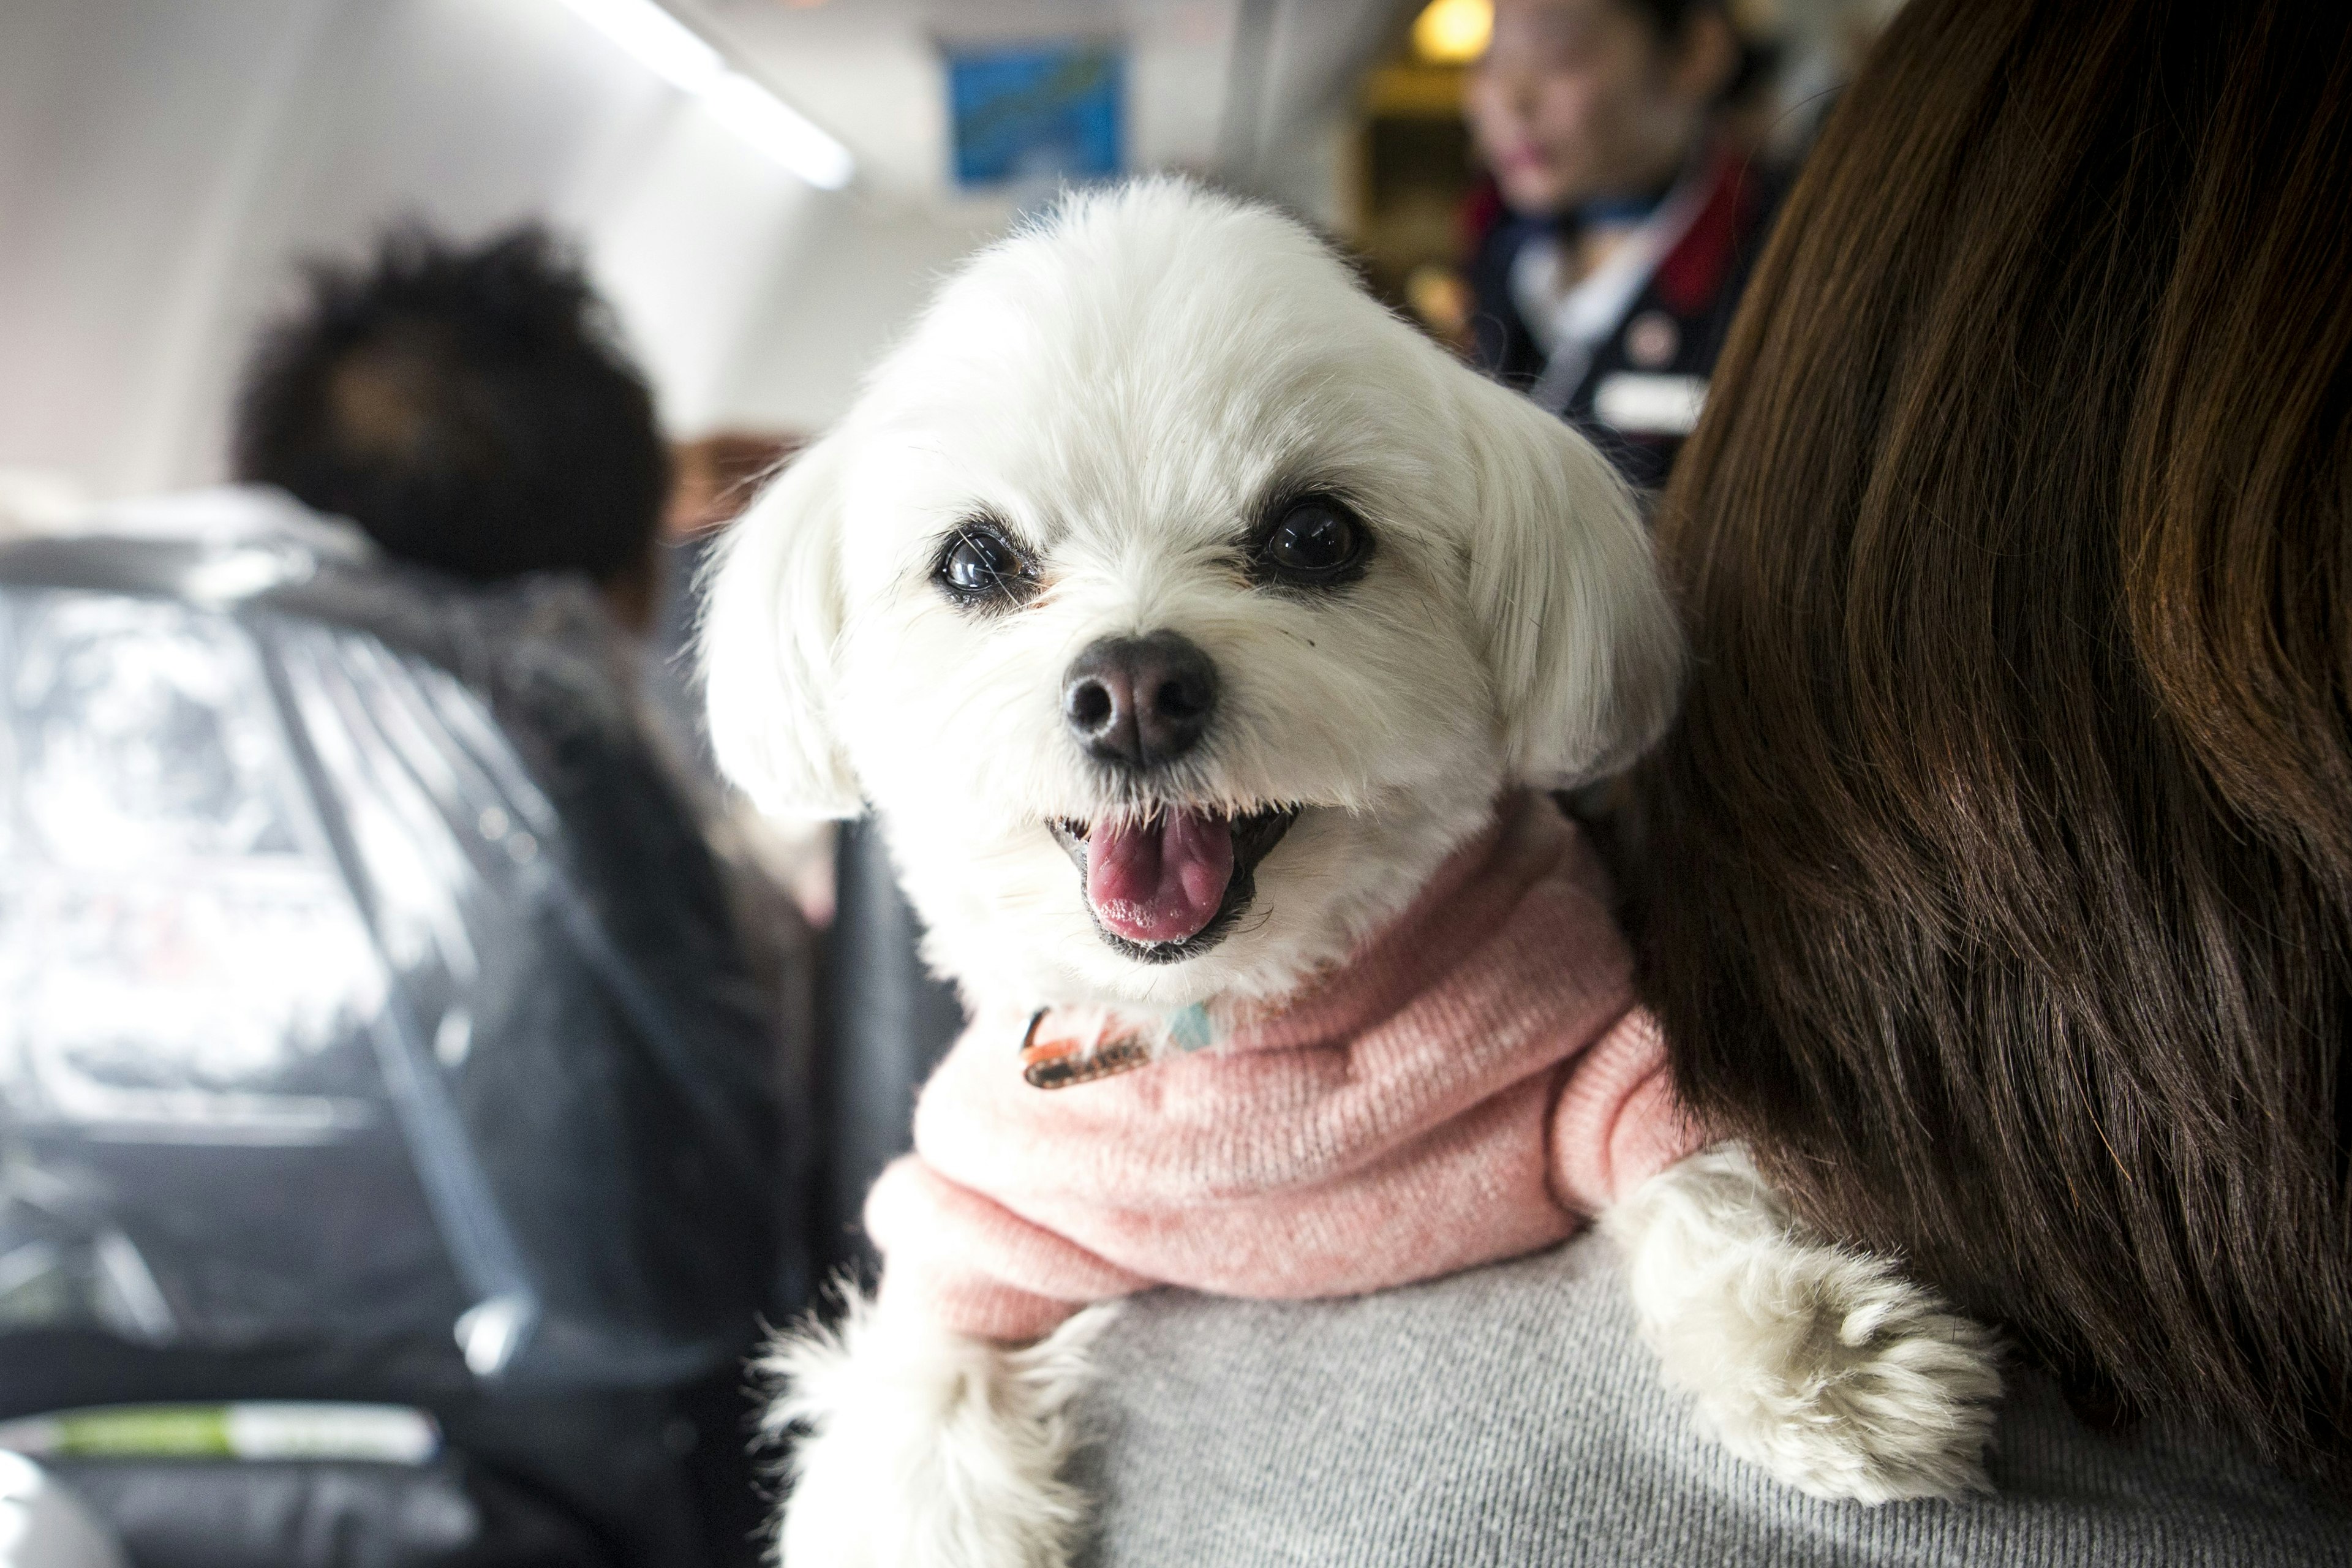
470,409
1625,212
333,803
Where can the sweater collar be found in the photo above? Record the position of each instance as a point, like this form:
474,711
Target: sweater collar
1474,892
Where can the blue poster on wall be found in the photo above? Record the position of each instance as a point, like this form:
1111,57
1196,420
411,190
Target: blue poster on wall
1037,112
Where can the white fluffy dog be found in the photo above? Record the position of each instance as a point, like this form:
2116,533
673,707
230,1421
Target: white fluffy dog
1158,531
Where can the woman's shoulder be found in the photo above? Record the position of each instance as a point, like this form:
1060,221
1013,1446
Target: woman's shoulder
1510,1415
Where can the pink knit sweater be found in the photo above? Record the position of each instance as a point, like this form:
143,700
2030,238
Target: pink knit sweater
1466,1088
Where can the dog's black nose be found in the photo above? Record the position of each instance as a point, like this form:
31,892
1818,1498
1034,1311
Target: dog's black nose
1139,702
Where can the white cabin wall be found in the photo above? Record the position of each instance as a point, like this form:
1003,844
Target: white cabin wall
127,132
687,247
840,297
164,166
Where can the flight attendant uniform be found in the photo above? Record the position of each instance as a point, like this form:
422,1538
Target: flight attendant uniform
1623,354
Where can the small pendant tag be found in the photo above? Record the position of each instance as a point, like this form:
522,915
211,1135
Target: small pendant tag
1191,1030
1055,1056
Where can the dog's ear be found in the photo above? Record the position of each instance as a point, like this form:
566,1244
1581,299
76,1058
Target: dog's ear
1581,641
773,614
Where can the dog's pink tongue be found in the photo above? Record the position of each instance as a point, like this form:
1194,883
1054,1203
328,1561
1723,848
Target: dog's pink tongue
1159,882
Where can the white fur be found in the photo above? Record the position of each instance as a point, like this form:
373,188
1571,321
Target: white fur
769,630
1127,386
1823,1364
920,1449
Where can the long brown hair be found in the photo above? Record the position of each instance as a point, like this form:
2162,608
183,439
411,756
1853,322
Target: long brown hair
2000,876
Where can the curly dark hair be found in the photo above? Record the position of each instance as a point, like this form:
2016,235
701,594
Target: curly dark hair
469,407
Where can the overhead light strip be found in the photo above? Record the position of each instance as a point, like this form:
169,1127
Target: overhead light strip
689,61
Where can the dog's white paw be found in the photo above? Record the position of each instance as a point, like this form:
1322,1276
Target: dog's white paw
919,1448
1823,1364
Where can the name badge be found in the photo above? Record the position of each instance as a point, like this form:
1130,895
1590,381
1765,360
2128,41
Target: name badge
1649,404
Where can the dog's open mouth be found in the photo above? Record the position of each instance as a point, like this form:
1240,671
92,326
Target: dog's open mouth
1169,885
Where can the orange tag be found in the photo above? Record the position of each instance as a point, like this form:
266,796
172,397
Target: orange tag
1079,1045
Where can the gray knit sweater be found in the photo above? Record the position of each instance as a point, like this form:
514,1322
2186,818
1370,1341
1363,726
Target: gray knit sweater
1510,1417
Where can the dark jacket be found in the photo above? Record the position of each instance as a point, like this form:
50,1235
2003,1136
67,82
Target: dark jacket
1628,399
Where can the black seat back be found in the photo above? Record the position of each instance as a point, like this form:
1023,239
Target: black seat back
372,1023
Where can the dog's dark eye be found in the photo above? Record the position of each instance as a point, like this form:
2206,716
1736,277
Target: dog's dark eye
1315,542
980,565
